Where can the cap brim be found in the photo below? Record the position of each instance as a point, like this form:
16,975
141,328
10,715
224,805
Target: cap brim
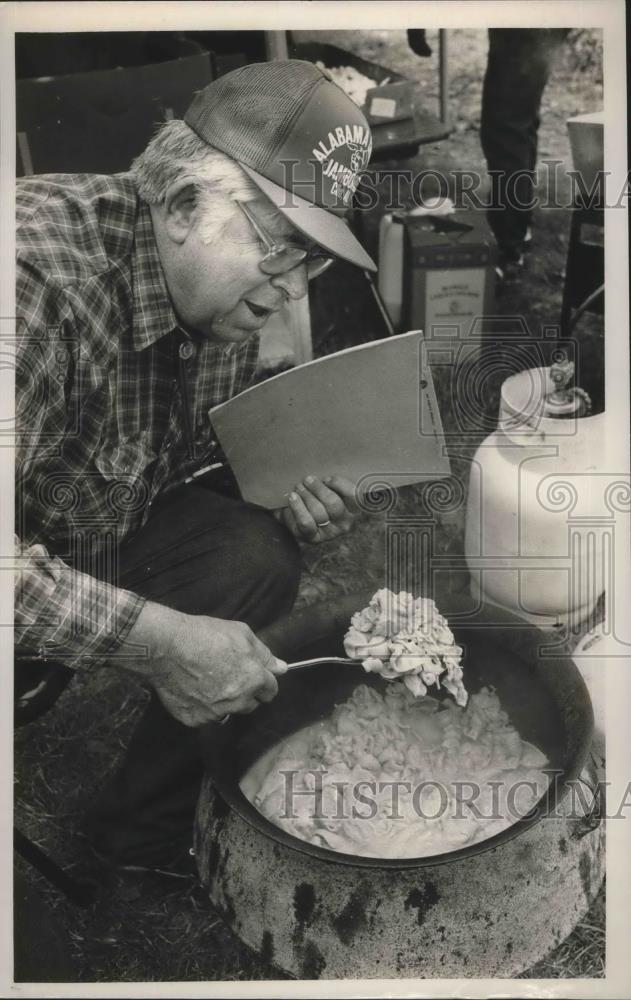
324,228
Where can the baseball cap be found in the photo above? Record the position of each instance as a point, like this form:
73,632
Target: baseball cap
299,138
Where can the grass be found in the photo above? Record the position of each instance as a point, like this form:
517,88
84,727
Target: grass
582,954
144,929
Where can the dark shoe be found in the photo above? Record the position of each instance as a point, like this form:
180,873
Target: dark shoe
510,265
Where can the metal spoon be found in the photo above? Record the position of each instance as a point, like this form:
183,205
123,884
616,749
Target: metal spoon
329,659
321,659
304,663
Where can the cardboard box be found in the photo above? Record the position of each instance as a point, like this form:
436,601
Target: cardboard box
448,275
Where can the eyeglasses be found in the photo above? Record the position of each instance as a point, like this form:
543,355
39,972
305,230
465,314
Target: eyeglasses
282,257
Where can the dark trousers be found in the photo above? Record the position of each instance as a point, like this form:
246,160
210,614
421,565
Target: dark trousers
517,71
200,553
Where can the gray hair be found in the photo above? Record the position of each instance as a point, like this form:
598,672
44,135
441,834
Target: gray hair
176,151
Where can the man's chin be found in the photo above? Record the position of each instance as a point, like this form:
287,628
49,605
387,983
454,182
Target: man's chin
227,333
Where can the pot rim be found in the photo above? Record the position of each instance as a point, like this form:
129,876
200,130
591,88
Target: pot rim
559,786
237,801
556,792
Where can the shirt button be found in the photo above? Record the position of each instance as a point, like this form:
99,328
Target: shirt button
187,350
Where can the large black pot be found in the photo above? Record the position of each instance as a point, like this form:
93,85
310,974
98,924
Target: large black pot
473,911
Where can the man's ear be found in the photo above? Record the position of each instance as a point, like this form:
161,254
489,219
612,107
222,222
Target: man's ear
180,209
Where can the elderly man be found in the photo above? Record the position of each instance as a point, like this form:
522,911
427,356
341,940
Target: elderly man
140,300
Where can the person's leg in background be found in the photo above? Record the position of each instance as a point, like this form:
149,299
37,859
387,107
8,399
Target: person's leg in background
200,553
518,67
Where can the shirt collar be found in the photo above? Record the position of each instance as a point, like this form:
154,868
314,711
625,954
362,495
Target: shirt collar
153,315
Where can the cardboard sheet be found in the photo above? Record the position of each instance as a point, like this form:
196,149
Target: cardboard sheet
367,413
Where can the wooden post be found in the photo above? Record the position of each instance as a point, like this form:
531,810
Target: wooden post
443,70
276,45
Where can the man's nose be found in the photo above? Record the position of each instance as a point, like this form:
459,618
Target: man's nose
293,283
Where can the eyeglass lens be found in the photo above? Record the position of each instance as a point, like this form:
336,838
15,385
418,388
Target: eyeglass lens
285,258
290,257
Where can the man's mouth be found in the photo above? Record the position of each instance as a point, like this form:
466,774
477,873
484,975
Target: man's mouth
261,312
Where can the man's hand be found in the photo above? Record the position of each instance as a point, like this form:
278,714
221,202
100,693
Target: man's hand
320,510
203,668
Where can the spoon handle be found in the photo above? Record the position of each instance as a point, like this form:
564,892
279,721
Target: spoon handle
320,659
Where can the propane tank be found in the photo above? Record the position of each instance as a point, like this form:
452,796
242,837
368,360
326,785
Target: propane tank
539,521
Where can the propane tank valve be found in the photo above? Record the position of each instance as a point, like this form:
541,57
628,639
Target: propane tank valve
565,400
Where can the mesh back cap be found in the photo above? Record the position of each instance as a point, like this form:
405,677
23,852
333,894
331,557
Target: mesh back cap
300,139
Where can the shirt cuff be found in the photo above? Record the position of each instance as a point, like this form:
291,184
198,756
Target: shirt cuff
67,616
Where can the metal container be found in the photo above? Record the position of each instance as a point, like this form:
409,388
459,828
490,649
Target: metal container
490,909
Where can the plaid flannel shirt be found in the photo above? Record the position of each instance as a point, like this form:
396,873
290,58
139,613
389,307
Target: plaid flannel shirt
101,422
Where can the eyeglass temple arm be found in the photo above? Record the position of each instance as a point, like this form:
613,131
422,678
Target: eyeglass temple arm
262,235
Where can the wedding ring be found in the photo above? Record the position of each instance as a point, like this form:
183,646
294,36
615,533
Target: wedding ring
322,524
223,721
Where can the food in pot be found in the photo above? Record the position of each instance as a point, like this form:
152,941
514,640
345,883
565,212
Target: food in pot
459,777
405,638
354,84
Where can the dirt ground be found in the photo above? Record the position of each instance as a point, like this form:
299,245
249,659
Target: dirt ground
145,929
